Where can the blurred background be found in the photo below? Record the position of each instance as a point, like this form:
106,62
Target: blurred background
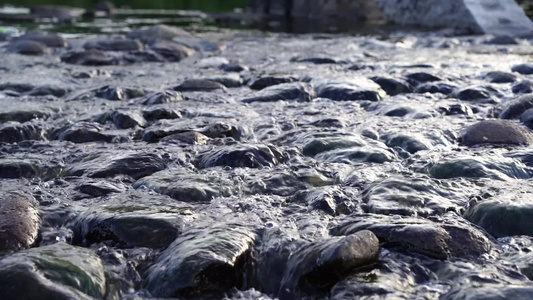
204,5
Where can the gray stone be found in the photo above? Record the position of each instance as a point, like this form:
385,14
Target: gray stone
157,32
19,222
496,132
286,91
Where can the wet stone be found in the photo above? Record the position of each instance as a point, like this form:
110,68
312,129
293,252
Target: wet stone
185,186
51,40
58,271
515,108
27,47
171,51
348,89
123,119
161,113
127,226
302,92
333,200
411,143
85,132
416,197
199,85
234,67
157,32
472,94
89,58
522,87
314,60
19,223
527,118
45,90
435,87
229,81
117,93
202,262
14,132
503,217
524,69
392,86
496,132
136,165
241,156
321,264
114,45
502,40
23,115
500,77
456,109
422,77
267,81
14,168
451,239
162,98
188,138
100,188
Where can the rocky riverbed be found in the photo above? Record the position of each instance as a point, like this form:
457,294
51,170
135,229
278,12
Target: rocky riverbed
209,164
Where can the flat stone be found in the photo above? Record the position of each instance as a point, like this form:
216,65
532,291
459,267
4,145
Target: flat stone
264,82
114,45
241,156
157,32
171,51
51,40
27,47
524,69
286,91
352,89
162,97
88,58
199,85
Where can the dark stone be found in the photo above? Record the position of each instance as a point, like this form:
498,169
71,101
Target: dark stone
500,77
19,223
315,60
456,109
392,86
409,143
167,96
27,47
14,168
114,45
17,87
525,69
136,165
472,94
265,82
201,263
241,156
447,240
348,90
51,40
522,87
503,218
199,85
234,68
89,58
502,40
171,51
189,138
84,132
421,77
58,271
229,80
127,226
23,116
122,119
435,87
396,111
117,93
183,185
161,113
514,109
329,123
286,91
222,130
100,188
45,90
478,167
61,13
106,7
314,144
14,132
496,132
316,266
527,118
333,200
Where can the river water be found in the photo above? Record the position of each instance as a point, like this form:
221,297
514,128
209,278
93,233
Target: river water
204,162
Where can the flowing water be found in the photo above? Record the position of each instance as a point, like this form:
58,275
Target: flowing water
216,163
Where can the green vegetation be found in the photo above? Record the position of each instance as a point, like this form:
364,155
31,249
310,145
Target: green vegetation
204,5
